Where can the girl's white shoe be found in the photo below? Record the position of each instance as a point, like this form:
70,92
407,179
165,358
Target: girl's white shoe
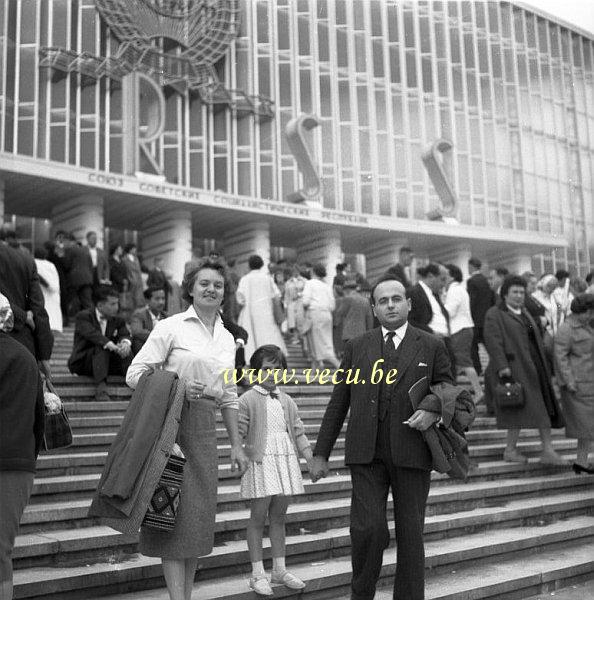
261,586
288,579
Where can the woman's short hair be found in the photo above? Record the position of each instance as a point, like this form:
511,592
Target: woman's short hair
512,281
272,353
319,270
455,272
129,247
582,303
114,247
187,285
40,253
255,262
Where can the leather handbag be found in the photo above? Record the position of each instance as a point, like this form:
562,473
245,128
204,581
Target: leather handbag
510,395
164,502
58,433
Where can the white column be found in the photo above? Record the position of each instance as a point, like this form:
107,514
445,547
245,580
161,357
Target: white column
249,238
168,235
382,256
516,263
80,215
458,255
321,247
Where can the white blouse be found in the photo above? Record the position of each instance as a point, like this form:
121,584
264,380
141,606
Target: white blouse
318,295
182,344
457,304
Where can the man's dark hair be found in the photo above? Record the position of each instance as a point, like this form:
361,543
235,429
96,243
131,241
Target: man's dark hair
582,303
320,270
405,249
561,274
148,292
90,233
512,281
40,253
387,277
454,272
268,352
501,271
255,262
476,263
102,293
432,269
129,247
341,266
113,247
589,277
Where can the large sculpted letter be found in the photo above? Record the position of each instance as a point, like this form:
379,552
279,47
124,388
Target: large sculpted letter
143,120
434,165
295,131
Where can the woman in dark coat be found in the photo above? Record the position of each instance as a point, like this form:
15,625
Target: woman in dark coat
516,353
574,358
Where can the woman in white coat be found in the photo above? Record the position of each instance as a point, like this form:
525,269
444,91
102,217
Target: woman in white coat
50,286
255,295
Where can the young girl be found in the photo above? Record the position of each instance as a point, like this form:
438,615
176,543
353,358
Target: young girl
273,434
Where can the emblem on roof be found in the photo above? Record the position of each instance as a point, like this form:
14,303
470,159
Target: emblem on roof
203,31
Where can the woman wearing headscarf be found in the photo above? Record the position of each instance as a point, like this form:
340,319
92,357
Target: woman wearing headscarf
544,295
516,353
574,358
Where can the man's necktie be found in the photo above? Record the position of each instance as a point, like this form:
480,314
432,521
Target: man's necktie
444,311
390,339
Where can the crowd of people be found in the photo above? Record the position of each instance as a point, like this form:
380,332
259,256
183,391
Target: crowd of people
538,334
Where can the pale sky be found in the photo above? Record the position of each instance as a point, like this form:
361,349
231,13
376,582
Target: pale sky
577,12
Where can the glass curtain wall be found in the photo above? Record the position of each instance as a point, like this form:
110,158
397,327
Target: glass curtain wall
512,90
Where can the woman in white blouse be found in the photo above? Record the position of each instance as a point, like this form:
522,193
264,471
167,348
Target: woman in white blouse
196,346
457,304
318,300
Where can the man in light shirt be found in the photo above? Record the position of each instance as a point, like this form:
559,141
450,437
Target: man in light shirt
102,344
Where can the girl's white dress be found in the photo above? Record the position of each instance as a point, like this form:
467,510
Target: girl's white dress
279,472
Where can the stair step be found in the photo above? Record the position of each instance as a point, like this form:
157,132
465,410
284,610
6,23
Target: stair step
327,577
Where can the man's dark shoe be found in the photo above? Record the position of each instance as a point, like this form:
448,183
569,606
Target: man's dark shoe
101,393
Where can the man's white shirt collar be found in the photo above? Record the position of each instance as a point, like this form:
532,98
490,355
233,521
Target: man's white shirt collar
398,333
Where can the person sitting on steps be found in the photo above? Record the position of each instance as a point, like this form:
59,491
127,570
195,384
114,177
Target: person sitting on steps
102,344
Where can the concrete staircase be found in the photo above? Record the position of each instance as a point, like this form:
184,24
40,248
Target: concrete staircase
511,531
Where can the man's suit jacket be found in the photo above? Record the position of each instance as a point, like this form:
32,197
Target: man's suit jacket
354,312
141,325
78,265
423,361
117,274
19,282
481,297
88,336
420,314
398,272
102,263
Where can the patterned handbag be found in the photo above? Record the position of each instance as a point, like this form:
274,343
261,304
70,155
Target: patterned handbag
164,502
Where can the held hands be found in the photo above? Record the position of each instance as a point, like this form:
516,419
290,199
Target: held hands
318,468
111,346
30,322
504,372
123,349
422,420
239,460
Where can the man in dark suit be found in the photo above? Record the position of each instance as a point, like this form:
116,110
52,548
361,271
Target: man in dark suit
79,277
99,260
353,313
19,282
482,298
102,343
144,319
383,446
401,270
